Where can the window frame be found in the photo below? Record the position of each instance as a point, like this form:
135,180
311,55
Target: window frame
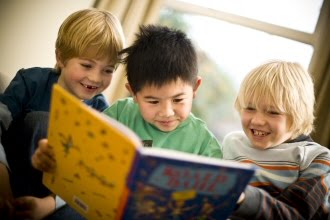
315,39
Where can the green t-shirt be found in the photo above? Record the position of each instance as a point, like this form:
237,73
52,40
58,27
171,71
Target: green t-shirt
191,136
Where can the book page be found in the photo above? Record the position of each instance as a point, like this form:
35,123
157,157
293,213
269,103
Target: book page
168,184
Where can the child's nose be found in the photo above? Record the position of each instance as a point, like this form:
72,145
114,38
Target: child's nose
166,110
258,118
95,76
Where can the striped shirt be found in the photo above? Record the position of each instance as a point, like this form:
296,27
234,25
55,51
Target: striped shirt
292,181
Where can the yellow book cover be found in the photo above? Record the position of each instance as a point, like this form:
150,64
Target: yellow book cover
93,158
103,171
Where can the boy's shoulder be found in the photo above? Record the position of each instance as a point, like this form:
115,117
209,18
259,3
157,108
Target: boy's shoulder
98,102
196,125
235,137
125,106
35,79
124,103
235,134
38,73
196,120
37,70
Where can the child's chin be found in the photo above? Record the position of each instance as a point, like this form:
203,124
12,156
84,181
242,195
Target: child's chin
85,96
166,129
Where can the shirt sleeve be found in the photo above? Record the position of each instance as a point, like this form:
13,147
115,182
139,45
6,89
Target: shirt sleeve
16,94
98,102
112,111
315,160
214,148
303,199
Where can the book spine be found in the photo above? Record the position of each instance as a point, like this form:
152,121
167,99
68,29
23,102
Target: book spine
135,165
127,191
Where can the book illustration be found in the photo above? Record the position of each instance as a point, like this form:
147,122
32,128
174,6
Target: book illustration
104,172
164,188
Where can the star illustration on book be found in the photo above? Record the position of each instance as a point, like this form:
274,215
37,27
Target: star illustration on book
67,143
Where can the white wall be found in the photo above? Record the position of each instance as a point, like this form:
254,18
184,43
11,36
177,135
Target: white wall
28,31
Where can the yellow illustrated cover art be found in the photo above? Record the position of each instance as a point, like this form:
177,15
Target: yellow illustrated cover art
93,159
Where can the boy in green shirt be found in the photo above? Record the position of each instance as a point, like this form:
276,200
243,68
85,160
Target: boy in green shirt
161,68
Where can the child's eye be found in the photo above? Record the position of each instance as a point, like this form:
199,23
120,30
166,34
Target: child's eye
249,108
274,113
88,66
177,100
109,71
153,102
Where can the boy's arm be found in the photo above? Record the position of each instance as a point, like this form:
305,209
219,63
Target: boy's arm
301,200
11,102
99,102
212,148
28,207
112,111
43,159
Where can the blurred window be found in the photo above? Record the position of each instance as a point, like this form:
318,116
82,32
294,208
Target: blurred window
232,37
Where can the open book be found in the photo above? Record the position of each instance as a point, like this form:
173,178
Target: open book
104,172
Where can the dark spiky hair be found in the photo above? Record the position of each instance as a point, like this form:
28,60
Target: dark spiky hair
159,55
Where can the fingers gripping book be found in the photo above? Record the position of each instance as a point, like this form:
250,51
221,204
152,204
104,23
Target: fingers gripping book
104,172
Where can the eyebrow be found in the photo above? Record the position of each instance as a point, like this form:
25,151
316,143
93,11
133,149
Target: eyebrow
93,61
153,97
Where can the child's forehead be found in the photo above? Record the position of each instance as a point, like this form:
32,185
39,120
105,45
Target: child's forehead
99,60
104,60
170,89
93,53
170,85
262,103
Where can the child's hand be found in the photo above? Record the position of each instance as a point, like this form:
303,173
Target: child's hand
43,158
33,208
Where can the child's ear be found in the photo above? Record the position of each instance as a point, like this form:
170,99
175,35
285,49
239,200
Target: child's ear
129,89
197,84
59,62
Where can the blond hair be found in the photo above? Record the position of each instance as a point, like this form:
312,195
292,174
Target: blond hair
286,86
90,33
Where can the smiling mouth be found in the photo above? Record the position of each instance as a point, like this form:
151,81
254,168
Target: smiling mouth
89,87
259,133
166,123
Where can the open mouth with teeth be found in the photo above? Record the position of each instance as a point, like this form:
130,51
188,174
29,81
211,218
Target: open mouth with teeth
89,87
259,133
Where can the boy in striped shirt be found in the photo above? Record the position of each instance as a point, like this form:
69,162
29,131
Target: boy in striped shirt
276,104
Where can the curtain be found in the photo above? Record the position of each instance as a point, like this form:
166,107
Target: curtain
322,108
131,13
320,70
